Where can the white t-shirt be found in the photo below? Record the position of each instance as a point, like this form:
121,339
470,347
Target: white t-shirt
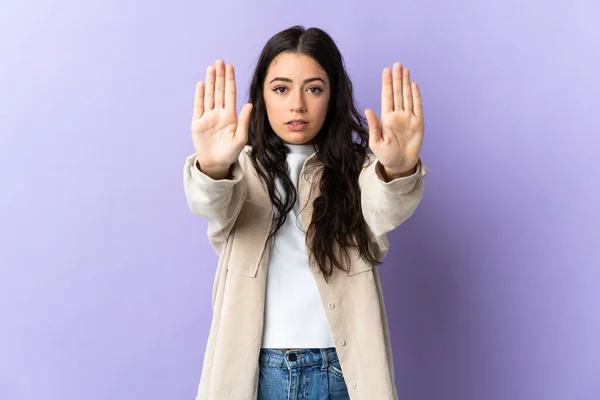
294,314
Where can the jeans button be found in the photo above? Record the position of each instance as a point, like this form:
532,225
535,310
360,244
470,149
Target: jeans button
292,357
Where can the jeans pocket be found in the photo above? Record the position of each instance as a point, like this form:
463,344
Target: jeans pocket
336,369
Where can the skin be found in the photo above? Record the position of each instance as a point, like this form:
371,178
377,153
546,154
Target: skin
219,135
296,87
396,141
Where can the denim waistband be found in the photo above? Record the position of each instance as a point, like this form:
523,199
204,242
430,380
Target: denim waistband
297,358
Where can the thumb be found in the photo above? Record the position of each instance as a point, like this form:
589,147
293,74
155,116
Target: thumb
374,131
243,122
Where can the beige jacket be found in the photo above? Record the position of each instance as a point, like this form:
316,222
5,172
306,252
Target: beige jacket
239,214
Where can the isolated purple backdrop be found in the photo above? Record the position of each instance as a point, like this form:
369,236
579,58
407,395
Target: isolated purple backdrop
492,287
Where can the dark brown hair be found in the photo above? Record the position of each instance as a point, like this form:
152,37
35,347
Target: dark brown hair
341,145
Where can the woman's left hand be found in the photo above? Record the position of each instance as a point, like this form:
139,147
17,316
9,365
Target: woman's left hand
397,141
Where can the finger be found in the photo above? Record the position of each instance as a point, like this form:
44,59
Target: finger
374,131
243,122
209,92
220,85
230,90
418,106
398,86
387,99
199,100
406,90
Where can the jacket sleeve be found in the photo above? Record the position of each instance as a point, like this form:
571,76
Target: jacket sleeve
219,201
386,205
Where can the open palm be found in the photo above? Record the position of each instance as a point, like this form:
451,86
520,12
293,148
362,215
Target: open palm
217,134
397,140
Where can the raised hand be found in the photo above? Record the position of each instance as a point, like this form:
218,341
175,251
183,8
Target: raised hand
217,134
397,141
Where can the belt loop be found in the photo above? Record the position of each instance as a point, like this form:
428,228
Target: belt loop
324,356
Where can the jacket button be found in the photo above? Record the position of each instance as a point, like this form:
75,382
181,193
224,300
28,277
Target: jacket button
342,342
353,385
331,305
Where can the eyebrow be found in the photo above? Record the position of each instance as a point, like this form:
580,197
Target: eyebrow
290,81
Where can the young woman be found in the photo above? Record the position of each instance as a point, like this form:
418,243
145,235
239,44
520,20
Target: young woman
299,198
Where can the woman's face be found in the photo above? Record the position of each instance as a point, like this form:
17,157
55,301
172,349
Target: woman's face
296,88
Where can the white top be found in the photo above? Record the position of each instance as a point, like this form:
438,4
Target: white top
294,314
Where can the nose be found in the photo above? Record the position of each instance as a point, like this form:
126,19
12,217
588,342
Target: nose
297,102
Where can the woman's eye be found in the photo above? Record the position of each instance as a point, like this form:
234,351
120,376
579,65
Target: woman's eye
312,89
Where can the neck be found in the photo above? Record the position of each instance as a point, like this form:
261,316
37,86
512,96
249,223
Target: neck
300,148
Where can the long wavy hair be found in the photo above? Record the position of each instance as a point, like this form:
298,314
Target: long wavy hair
341,145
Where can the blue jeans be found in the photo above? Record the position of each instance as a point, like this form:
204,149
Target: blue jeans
306,374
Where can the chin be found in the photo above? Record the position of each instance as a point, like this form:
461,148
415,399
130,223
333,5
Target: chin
297,139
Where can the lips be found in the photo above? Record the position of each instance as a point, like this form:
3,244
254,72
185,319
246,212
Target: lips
296,122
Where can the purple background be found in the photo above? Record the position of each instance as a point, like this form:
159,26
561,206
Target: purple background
492,288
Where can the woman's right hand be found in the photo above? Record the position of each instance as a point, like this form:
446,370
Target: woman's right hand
217,134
